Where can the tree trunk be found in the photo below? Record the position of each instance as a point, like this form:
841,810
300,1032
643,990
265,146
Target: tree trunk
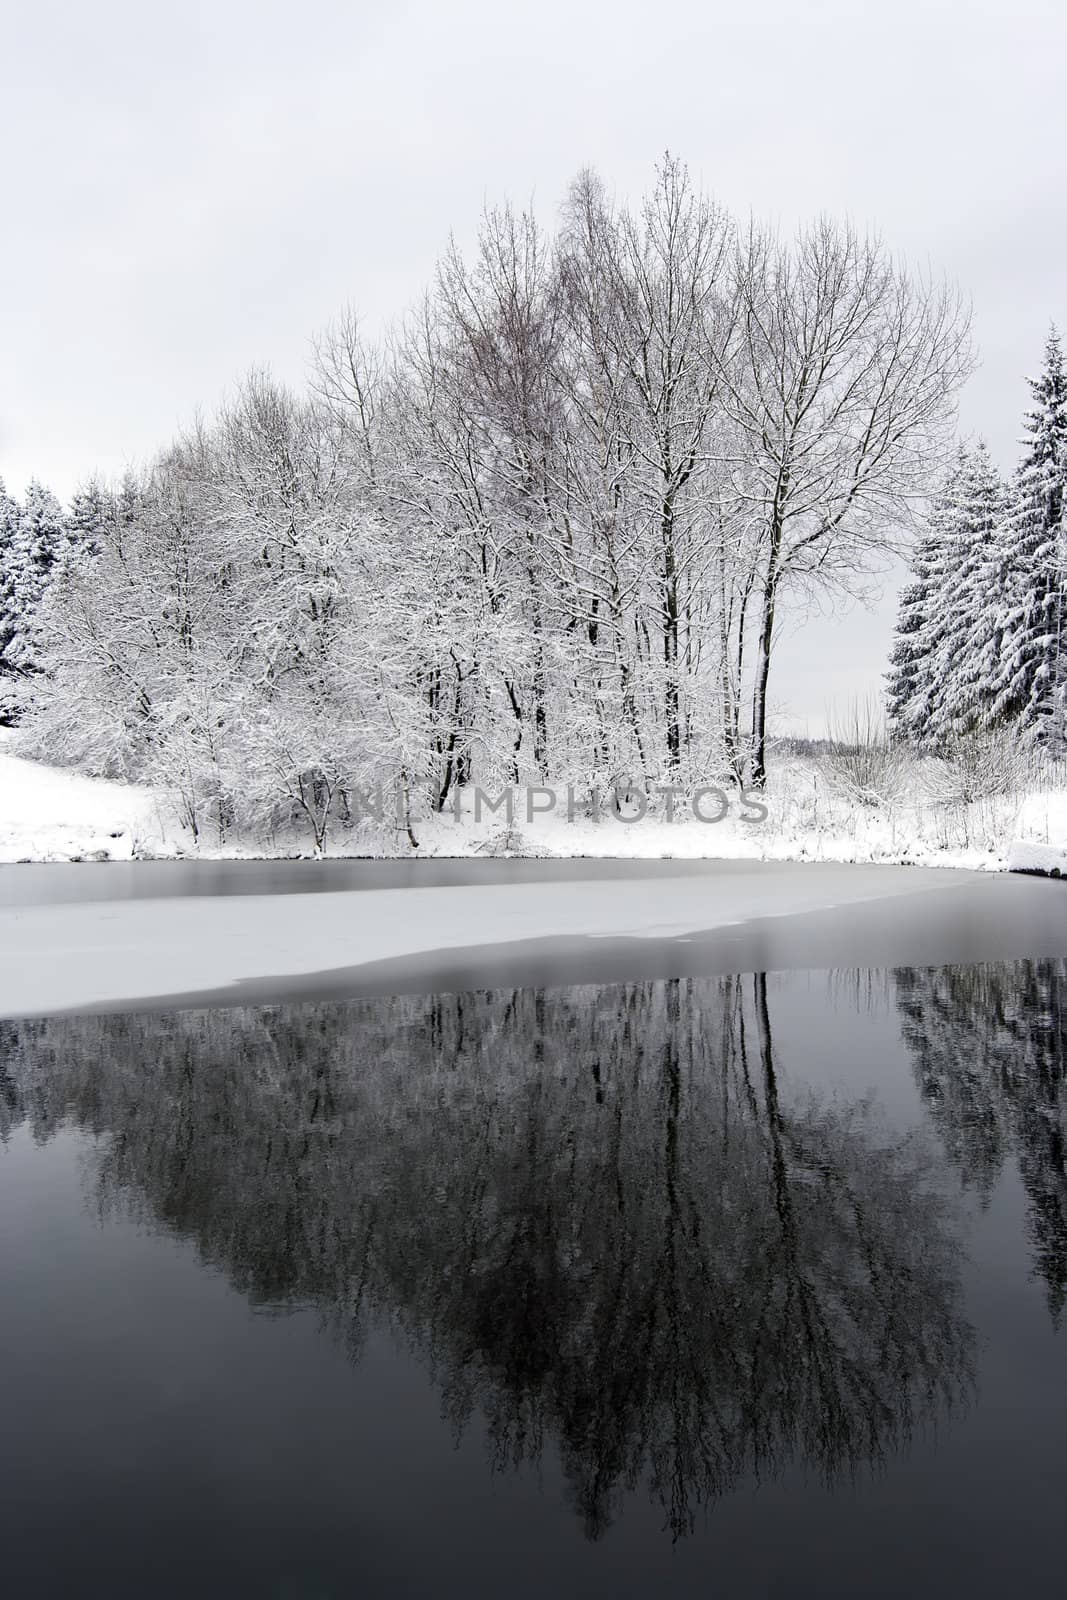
759,693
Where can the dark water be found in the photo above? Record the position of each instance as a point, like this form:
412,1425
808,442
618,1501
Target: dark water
725,1286
61,883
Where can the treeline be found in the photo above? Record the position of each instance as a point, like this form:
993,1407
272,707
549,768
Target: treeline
980,641
544,530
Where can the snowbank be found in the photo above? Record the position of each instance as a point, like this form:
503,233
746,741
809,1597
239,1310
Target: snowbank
50,814
1051,860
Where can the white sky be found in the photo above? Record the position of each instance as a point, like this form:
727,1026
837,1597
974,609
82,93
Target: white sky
190,189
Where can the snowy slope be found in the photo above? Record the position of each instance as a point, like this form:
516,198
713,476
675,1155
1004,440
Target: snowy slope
52,814
49,814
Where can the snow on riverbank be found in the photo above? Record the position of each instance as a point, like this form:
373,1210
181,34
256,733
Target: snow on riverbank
52,814
1051,860
807,820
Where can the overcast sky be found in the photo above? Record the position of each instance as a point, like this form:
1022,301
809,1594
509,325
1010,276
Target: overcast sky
188,190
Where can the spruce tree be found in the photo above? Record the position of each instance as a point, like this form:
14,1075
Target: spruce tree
1031,675
10,517
908,675
915,698
92,511
962,667
35,548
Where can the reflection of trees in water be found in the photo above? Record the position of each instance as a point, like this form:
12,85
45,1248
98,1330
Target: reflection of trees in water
989,1045
10,1106
597,1214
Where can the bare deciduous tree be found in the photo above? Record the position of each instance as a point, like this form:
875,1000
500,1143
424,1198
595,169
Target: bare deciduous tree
839,384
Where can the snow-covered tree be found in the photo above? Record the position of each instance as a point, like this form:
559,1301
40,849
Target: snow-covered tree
541,533
1031,680
92,508
980,641
10,517
839,386
34,548
964,628
910,686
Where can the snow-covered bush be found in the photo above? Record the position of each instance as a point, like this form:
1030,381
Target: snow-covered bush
975,767
863,763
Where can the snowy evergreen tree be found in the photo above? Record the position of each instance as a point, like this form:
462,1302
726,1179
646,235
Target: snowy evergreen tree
939,668
909,684
962,666
92,509
35,547
980,637
40,540
1031,677
10,517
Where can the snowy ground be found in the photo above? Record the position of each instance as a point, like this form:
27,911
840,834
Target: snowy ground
806,821
51,814
1027,856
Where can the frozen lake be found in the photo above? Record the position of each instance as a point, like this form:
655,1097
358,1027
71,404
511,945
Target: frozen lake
731,1259
81,936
